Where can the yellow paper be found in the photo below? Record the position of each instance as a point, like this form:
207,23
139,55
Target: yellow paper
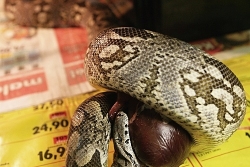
36,136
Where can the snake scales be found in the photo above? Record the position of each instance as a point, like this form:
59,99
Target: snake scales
166,75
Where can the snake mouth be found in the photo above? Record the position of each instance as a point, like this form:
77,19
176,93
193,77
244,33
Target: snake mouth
156,141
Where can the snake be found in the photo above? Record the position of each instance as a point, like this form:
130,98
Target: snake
176,79
144,71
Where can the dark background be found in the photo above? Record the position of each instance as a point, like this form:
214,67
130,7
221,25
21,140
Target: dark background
191,20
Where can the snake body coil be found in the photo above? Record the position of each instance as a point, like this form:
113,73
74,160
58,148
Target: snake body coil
178,80
90,132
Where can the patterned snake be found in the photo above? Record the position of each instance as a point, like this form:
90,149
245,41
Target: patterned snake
151,72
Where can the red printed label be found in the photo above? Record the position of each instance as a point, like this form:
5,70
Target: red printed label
58,115
20,86
75,74
73,43
60,139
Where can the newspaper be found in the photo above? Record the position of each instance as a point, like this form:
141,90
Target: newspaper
37,65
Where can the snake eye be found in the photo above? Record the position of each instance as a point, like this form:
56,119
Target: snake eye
159,142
